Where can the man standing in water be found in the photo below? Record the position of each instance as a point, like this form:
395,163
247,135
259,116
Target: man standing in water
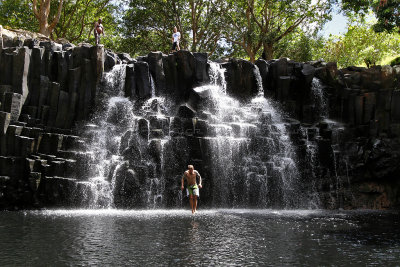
176,36
193,188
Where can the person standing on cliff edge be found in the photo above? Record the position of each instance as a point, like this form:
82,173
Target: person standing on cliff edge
190,175
176,37
98,29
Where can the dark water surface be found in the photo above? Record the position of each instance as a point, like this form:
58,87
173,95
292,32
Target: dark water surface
211,237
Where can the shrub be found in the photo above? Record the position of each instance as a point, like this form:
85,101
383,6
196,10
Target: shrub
395,61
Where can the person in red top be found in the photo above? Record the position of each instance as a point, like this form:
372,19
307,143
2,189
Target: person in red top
98,29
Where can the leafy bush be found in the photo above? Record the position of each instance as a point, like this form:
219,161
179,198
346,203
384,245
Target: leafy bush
395,61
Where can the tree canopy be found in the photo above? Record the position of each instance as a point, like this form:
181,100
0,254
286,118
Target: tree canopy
229,27
386,11
72,20
360,45
221,28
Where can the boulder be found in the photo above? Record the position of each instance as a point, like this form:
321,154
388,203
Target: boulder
395,106
20,72
155,61
125,58
143,79
4,89
144,128
6,66
130,83
185,111
263,67
53,100
13,105
60,69
11,134
5,119
185,70
201,64
63,111
74,79
50,144
111,59
171,74
35,72
240,78
97,57
308,72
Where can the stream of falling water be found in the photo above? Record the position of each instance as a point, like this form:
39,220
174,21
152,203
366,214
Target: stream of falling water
105,137
247,150
319,98
115,126
252,157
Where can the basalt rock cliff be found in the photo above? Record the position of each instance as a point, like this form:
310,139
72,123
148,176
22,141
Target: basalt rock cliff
344,126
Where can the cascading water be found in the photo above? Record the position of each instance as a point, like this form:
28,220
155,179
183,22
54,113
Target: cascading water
105,137
139,152
320,100
251,157
126,156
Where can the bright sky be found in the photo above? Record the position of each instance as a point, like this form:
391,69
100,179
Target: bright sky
336,26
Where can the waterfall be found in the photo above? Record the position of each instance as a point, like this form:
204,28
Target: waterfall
108,125
259,81
217,76
251,156
138,150
320,100
127,143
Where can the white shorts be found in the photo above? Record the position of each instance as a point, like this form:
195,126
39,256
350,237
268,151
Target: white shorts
195,191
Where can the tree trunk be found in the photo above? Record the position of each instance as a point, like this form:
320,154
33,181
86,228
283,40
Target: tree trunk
44,28
42,16
252,56
269,51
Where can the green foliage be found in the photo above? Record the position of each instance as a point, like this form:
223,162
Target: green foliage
239,28
263,25
78,17
359,45
386,11
395,61
76,21
299,46
18,15
148,24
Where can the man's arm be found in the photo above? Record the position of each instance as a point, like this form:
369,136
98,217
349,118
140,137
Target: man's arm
200,185
182,181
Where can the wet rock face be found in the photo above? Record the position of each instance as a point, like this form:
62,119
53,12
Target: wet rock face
350,154
240,78
183,71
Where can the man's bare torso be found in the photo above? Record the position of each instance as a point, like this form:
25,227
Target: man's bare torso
190,178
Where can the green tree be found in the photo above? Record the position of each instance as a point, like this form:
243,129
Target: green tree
78,17
75,22
386,11
299,46
256,24
359,45
41,10
147,25
18,15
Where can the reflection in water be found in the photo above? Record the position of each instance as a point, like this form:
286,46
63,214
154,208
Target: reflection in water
211,237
